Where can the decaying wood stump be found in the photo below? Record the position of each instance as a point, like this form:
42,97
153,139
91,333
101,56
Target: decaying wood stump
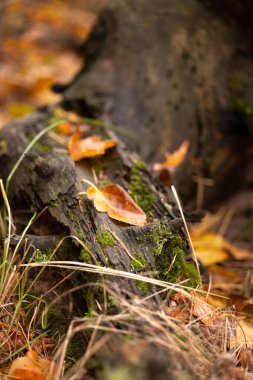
48,179
172,70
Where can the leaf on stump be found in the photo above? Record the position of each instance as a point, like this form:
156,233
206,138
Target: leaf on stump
89,147
118,204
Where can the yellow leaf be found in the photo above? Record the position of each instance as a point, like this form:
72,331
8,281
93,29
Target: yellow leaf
117,203
209,248
89,147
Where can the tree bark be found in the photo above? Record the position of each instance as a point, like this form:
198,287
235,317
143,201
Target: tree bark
48,181
170,71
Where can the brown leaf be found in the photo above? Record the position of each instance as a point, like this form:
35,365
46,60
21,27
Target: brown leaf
195,305
245,358
237,252
117,203
243,334
89,147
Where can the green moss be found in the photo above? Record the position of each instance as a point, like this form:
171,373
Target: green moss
43,147
3,146
53,318
41,256
91,312
237,85
73,350
137,265
83,206
139,189
112,302
85,255
106,301
169,255
142,285
119,373
105,238
79,232
139,165
54,203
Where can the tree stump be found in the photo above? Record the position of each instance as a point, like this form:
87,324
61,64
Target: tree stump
170,71
49,182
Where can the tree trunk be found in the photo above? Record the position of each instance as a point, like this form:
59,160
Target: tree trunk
170,71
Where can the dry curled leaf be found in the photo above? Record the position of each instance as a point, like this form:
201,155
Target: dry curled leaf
30,367
194,305
243,334
89,147
117,203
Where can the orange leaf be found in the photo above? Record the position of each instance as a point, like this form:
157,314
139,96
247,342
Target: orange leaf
117,203
89,147
64,128
173,160
30,367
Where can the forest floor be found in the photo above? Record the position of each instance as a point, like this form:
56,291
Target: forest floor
40,43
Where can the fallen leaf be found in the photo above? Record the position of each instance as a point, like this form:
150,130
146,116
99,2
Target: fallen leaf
173,160
225,282
237,252
243,334
89,147
245,358
70,116
209,248
209,221
65,128
117,203
194,305
30,367
212,248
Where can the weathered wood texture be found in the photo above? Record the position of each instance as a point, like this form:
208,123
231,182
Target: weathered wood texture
172,70
49,180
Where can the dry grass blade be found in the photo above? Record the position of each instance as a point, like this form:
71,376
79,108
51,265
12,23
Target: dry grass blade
186,228
91,268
